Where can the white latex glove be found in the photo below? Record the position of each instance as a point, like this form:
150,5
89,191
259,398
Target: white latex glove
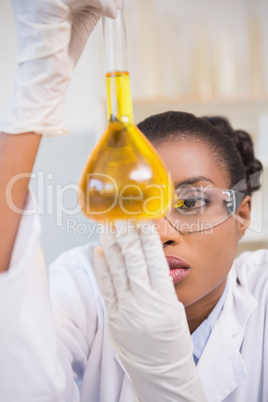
51,37
147,323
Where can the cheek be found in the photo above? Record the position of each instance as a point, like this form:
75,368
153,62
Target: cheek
219,246
225,237
212,255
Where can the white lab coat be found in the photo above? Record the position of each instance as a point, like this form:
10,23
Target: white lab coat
47,357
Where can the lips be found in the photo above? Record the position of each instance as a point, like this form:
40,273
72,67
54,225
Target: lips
178,268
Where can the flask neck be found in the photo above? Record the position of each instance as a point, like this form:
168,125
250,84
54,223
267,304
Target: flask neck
119,101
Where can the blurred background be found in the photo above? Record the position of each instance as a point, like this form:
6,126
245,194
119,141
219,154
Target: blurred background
202,56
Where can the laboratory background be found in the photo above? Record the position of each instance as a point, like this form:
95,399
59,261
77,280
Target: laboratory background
202,56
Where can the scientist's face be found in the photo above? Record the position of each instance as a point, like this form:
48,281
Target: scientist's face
207,256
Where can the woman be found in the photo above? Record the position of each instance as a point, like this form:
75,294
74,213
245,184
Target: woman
225,299
50,356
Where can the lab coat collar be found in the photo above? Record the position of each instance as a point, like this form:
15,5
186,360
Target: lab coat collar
221,366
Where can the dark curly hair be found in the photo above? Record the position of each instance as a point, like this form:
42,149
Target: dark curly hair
232,148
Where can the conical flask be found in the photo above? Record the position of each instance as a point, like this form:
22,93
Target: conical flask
124,178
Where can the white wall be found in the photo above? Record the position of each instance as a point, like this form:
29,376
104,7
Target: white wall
165,39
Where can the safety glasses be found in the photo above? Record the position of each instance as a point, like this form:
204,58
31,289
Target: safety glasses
196,209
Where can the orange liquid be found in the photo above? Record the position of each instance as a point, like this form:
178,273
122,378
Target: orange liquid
124,178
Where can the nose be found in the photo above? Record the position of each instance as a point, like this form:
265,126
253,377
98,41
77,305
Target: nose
168,234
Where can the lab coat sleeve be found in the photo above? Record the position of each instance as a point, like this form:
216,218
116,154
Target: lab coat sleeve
36,361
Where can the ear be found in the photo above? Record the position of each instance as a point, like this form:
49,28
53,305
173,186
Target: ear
242,215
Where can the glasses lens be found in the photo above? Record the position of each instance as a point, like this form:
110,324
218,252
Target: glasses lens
200,208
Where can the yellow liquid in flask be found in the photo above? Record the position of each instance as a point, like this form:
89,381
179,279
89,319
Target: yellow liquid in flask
124,177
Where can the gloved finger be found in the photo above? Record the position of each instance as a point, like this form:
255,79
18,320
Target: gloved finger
83,22
107,7
128,239
104,280
117,266
84,19
158,268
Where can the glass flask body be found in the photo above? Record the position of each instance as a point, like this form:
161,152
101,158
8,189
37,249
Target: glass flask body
124,177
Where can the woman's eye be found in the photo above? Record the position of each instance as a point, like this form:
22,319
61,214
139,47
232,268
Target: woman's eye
190,203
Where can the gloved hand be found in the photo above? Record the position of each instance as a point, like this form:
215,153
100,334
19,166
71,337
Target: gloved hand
147,323
51,37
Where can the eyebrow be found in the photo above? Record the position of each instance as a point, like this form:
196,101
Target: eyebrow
192,180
